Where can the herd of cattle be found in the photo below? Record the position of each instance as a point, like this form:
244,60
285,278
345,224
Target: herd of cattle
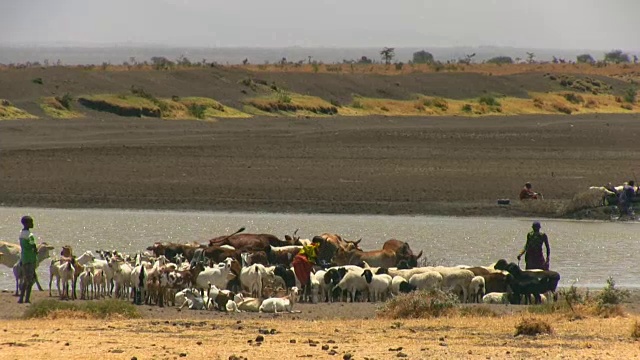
252,272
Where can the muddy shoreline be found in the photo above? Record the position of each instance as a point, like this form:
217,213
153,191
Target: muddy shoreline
376,165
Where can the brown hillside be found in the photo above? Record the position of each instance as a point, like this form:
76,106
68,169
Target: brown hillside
225,84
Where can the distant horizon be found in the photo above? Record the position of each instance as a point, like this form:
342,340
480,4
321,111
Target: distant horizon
151,45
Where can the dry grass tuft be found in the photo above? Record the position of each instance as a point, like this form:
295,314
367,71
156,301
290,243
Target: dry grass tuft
419,304
477,311
9,112
533,327
635,330
102,309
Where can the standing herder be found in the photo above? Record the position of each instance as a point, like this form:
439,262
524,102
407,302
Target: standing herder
303,264
28,259
625,199
533,257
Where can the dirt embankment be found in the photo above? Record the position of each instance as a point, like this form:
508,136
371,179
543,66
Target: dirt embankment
26,87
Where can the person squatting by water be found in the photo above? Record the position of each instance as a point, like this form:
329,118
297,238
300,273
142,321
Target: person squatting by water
533,257
527,193
28,259
303,264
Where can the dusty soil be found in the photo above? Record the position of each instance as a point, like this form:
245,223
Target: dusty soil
313,333
454,165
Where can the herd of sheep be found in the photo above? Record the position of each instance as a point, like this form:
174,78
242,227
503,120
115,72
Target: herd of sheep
252,272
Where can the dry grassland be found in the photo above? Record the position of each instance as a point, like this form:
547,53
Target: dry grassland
442,338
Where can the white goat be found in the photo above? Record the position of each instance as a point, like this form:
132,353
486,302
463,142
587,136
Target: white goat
284,304
87,290
66,271
254,276
218,276
193,300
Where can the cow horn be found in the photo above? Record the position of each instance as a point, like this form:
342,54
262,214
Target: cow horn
419,254
357,241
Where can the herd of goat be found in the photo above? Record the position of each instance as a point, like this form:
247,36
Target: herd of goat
252,272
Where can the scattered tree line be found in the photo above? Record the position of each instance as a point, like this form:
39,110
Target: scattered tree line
387,57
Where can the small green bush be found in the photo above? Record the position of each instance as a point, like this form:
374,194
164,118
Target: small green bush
99,309
610,295
419,304
38,81
467,108
437,102
489,100
198,110
284,97
356,104
65,100
630,95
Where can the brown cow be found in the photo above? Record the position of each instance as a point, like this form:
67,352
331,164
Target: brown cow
376,258
255,242
330,243
403,251
170,250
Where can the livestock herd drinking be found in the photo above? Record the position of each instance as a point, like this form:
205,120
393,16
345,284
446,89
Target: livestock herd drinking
252,272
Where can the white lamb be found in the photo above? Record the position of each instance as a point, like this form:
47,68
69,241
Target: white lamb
275,305
379,286
428,280
476,289
87,291
456,280
353,282
496,298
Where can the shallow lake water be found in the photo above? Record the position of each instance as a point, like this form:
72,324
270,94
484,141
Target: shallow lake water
583,252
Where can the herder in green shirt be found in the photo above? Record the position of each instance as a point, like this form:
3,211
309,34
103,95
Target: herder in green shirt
28,259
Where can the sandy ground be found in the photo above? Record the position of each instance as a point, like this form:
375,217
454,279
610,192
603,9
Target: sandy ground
454,166
202,335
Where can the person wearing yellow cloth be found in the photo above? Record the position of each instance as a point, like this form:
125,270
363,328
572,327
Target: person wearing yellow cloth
303,264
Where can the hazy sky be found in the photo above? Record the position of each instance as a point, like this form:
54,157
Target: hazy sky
575,24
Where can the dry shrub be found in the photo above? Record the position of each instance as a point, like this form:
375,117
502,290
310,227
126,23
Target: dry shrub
635,330
95,309
477,311
609,311
591,104
562,108
533,327
589,199
419,304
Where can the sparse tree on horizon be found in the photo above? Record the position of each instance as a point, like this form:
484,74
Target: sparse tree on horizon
388,54
422,57
585,59
500,60
531,57
616,56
